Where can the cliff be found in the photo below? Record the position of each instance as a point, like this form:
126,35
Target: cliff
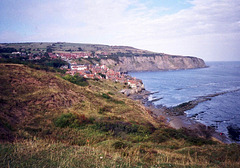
153,63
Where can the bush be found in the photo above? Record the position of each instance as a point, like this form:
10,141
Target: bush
119,127
118,101
110,93
38,65
7,50
198,141
56,63
102,75
76,79
119,145
116,127
72,120
104,109
165,134
106,96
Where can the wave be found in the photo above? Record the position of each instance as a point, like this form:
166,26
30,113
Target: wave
209,84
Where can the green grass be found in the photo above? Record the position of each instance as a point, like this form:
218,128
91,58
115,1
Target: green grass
114,153
41,154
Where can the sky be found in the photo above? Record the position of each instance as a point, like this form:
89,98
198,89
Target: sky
208,29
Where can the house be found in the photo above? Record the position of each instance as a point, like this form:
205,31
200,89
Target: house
104,67
71,72
78,67
89,76
132,83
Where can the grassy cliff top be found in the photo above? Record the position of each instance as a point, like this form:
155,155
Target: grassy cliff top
73,47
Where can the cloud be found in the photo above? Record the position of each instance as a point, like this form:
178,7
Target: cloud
209,29
206,27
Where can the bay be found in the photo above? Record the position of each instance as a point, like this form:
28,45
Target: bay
181,86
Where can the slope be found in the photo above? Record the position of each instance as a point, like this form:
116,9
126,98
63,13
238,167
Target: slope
46,121
32,99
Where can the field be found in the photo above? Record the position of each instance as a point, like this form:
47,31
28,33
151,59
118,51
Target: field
72,47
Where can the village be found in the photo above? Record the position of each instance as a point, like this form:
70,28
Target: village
103,72
97,71
89,71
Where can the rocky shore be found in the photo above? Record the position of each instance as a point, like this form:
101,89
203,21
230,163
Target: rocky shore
176,118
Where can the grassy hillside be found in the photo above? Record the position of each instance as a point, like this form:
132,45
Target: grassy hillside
48,121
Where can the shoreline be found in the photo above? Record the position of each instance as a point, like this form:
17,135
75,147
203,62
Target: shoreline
177,118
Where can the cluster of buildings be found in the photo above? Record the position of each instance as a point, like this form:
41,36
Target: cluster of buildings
103,72
77,55
91,71
69,56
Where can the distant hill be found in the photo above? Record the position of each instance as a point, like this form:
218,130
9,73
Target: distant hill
74,47
120,58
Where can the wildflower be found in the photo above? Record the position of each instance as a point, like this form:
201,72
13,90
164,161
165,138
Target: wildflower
87,142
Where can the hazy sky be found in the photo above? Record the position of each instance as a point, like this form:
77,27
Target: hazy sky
209,29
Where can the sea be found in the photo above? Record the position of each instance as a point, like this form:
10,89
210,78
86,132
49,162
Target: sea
172,88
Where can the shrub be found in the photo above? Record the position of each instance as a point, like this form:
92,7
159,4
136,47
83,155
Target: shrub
42,64
102,75
104,109
116,127
119,145
76,79
106,96
119,127
118,101
72,120
110,93
163,135
198,141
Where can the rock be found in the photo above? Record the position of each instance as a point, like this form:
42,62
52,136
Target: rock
234,132
127,92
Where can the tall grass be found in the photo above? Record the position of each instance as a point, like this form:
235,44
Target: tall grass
42,153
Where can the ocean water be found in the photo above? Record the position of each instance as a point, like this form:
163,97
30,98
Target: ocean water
177,87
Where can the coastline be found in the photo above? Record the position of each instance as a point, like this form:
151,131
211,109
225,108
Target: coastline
177,119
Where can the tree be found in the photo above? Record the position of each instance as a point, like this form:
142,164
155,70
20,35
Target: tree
49,49
102,75
7,50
